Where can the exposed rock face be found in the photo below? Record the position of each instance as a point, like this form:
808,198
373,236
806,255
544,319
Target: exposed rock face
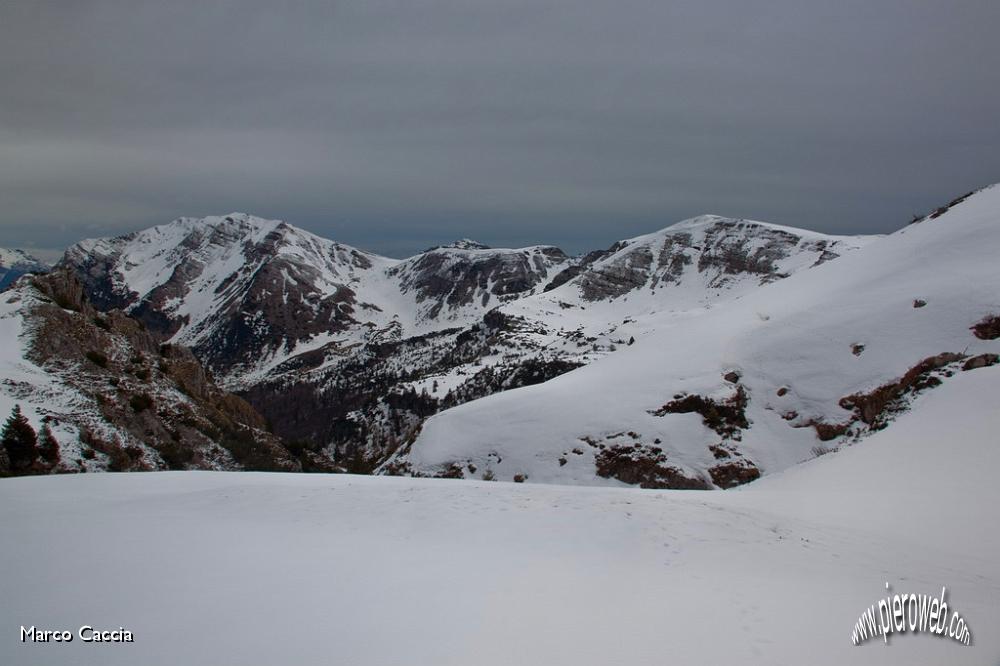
728,252
579,266
981,361
118,399
628,271
444,280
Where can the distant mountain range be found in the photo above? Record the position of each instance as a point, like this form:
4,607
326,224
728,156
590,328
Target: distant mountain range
701,355
15,263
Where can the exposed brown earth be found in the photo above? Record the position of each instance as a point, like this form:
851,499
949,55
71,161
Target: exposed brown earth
644,466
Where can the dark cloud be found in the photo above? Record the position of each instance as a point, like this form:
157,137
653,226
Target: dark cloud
397,125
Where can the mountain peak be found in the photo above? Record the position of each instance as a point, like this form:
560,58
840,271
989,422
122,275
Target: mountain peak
708,221
244,220
462,244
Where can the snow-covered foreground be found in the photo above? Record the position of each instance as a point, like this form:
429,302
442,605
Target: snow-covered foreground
217,568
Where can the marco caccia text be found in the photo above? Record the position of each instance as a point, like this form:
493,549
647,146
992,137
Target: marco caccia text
86,634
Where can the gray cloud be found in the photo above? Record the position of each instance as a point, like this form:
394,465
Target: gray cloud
398,125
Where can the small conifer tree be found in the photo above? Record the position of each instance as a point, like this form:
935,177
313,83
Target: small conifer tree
20,441
48,446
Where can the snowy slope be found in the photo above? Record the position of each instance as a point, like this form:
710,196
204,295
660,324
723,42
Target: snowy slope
703,262
38,391
793,349
278,569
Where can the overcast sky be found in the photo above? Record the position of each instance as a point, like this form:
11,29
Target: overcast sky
398,125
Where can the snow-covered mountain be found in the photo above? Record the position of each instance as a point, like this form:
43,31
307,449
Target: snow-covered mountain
705,256
457,283
15,263
112,396
350,352
239,289
248,294
607,297
715,394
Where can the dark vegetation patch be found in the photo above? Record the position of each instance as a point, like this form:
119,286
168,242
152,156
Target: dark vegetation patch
19,446
828,431
645,466
720,452
736,473
120,458
140,402
453,471
988,328
175,454
97,358
398,468
877,407
726,417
